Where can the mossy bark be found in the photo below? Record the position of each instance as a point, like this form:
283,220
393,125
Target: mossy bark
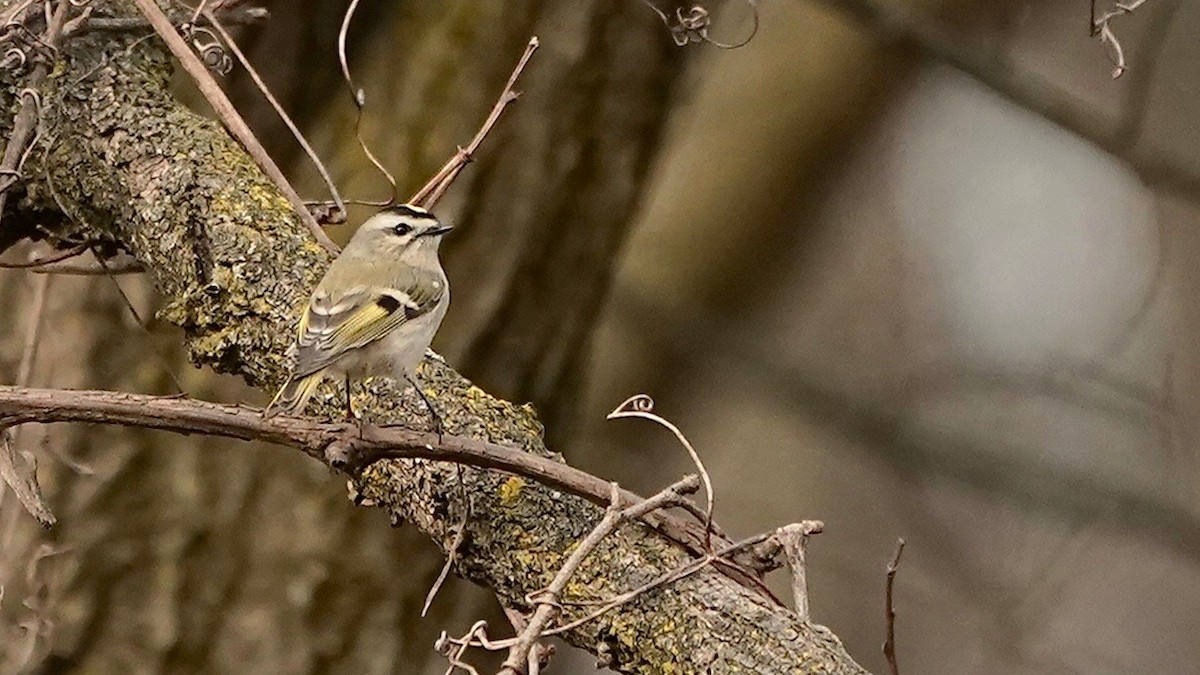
234,263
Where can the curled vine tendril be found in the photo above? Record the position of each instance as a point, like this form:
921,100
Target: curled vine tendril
209,47
691,26
641,405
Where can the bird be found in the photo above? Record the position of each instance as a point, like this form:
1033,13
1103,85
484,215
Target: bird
375,311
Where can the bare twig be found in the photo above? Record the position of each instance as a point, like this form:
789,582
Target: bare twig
61,263
37,262
25,122
451,558
794,539
360,101
681,572
641,405
37,320
237,16
889,644
1100,27
339,203
229,115
125,265
23,482
432,191
339,445
547,600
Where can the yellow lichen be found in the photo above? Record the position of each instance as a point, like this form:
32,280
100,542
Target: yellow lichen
510,490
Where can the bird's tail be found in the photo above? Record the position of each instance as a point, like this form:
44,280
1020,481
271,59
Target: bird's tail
293,395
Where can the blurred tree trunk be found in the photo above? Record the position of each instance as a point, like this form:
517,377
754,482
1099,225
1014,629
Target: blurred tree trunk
190,555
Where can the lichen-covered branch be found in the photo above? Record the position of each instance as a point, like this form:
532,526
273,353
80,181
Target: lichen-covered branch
234,262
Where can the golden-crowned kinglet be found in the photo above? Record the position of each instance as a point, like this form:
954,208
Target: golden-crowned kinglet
375,311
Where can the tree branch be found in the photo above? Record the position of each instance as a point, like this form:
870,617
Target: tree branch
342,446
234,262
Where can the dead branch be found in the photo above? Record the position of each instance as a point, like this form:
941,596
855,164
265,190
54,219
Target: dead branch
37,262
229,115
360,103
339,205
435,187
794,539
641,405
546,601
340,445
235,16
20,472
1100,28
25,122
889,644
96,268
64,263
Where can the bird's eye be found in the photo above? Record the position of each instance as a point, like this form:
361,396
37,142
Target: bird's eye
403,229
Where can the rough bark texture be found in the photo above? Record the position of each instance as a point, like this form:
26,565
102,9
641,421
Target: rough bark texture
233,264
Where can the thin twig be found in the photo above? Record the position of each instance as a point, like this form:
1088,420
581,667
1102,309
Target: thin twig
681,572
37,262
23,482
360,101
451,558
229,115
547,600
237,16
1100,27
454,648
37,320
339,204
25,122
124,265
339,445
794,539
432,191
889,644
141,324
641,405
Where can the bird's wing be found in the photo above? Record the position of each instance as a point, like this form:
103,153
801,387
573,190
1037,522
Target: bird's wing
334,324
